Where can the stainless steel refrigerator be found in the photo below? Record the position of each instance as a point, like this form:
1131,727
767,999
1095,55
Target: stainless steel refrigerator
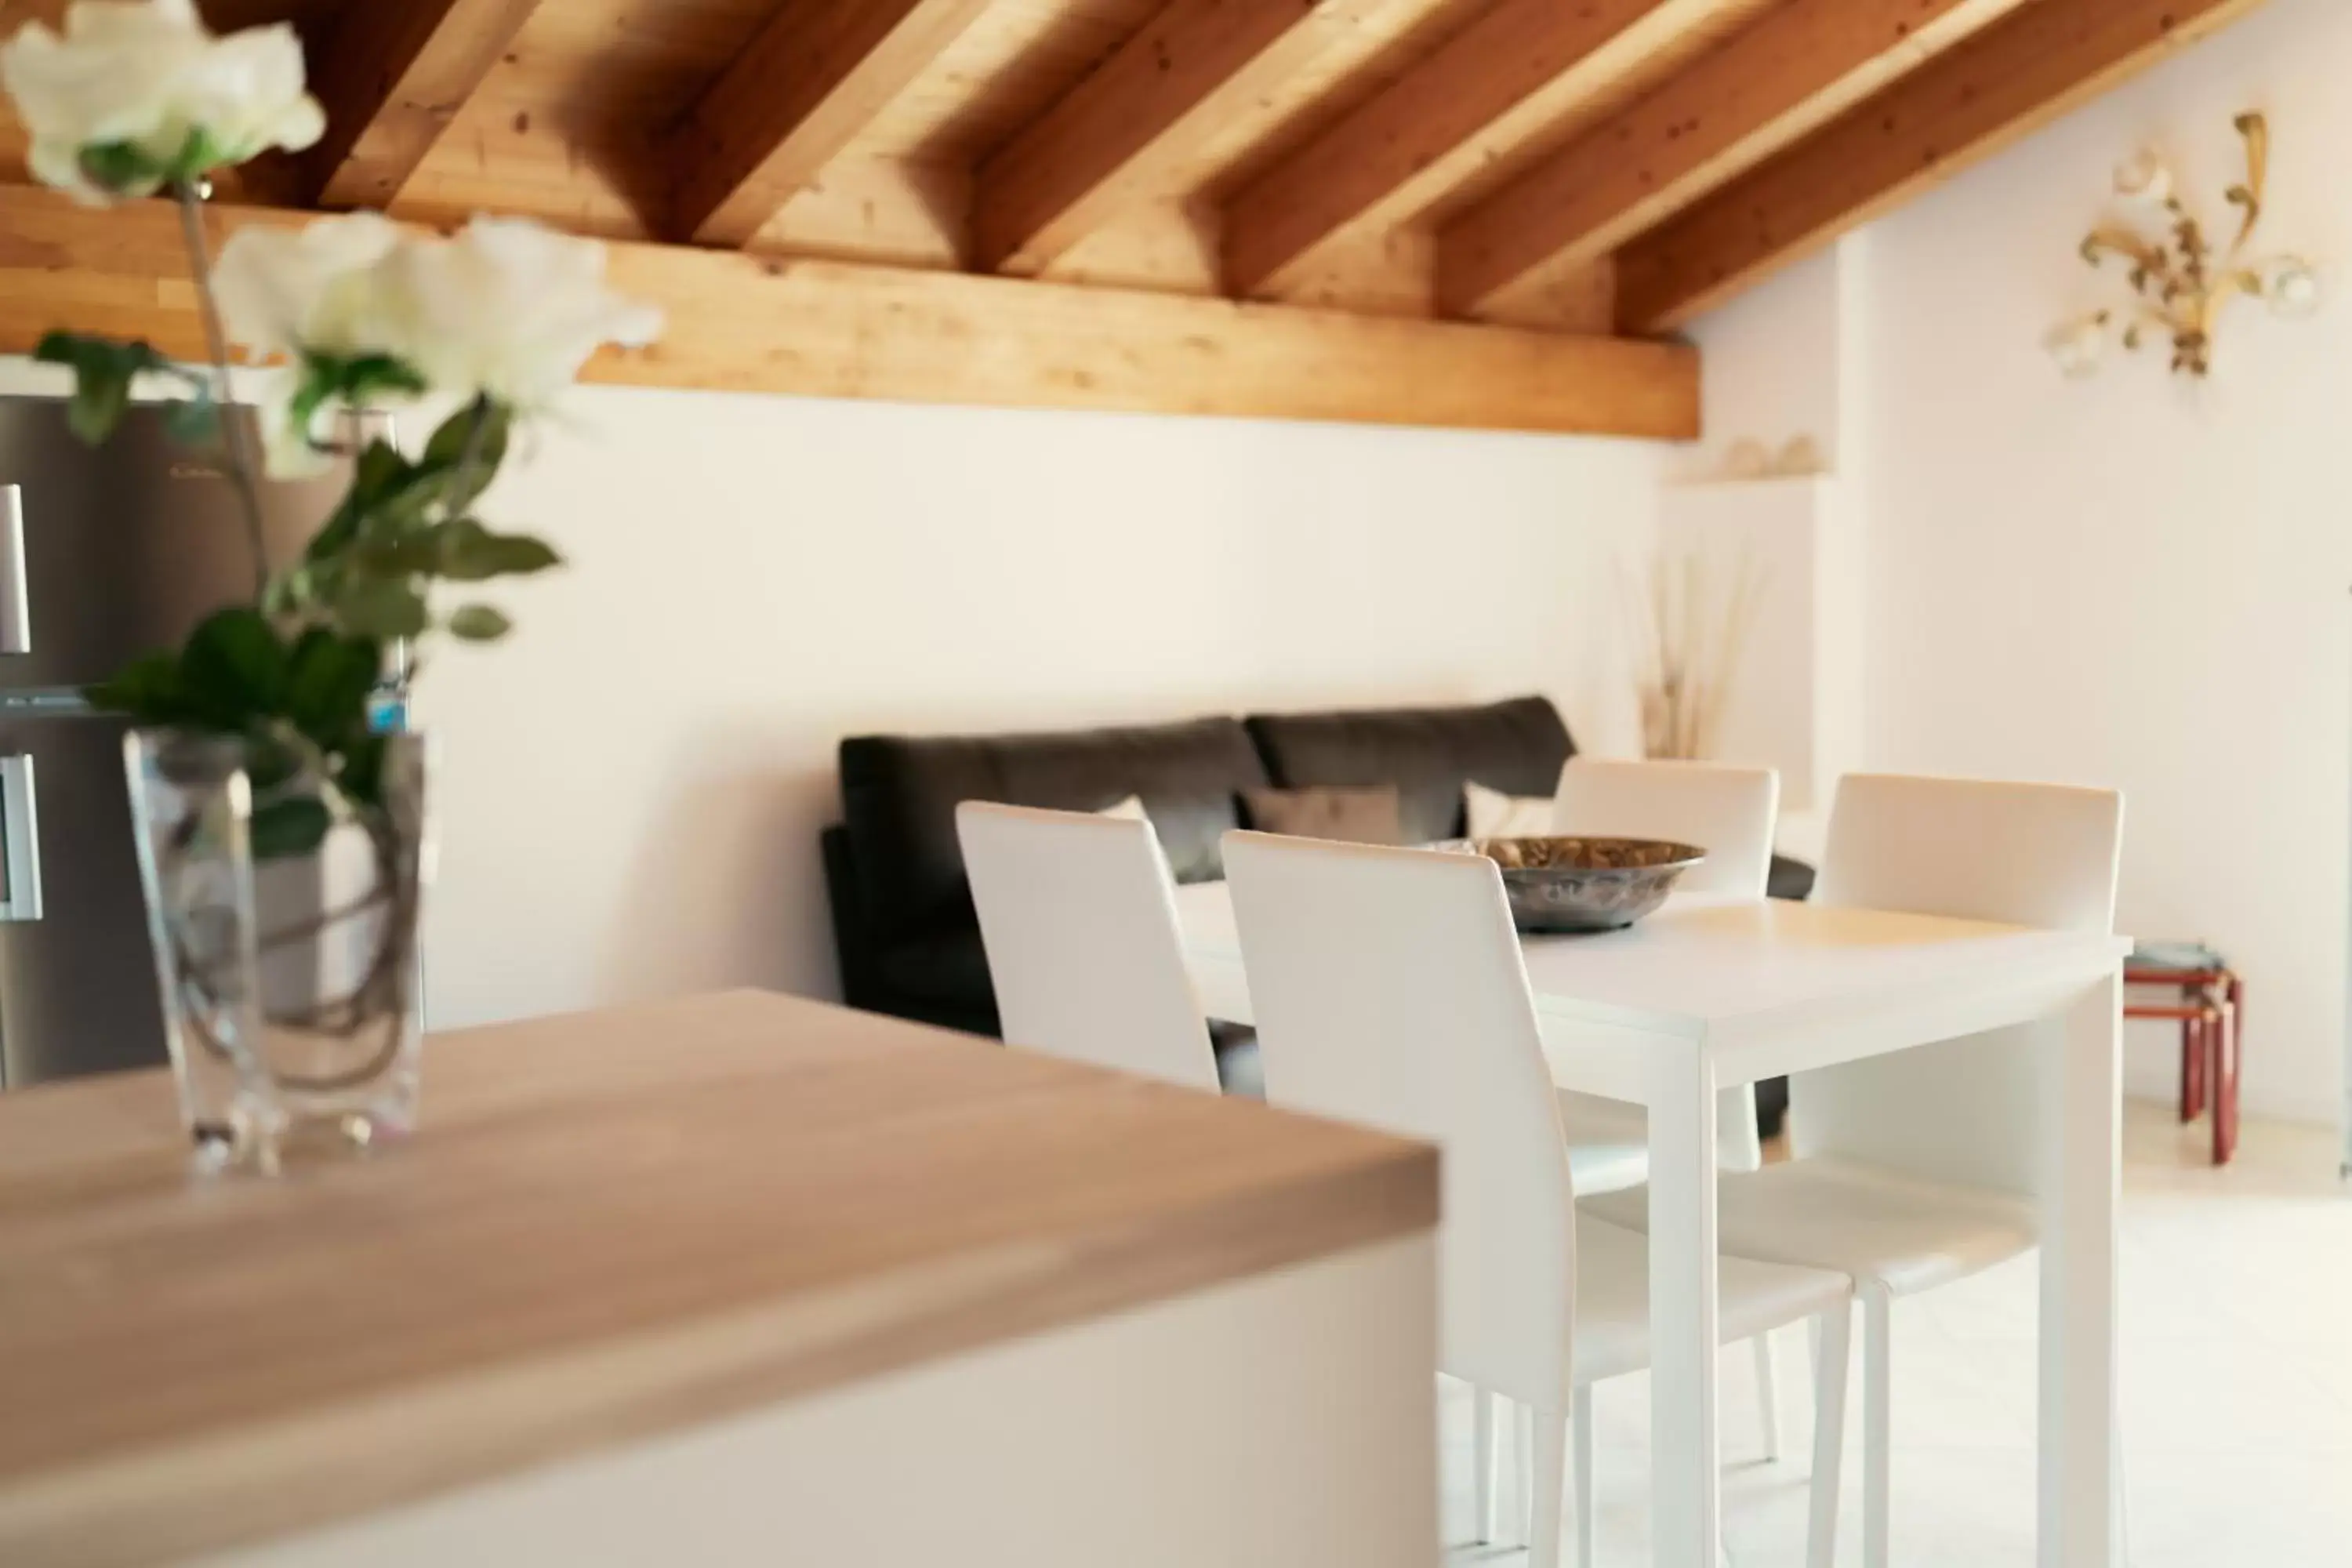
105,553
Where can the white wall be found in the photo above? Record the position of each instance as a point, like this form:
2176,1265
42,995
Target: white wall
632,786
2130,580
634,781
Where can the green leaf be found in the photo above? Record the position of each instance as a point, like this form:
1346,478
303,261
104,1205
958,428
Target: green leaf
234,668
327,683
283,829
478,432
382,607
354,380
98,406
103,370
364,378
472,554
147,691
479,622
380,471
412,554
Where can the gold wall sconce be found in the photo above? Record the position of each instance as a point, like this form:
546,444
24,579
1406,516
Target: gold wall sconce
2180,285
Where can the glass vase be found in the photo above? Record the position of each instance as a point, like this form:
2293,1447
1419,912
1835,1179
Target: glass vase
290,982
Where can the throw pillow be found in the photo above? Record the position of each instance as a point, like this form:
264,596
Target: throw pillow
1493,814
1370,814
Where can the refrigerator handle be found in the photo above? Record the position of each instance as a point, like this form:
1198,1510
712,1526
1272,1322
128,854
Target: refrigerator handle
20,841
16,618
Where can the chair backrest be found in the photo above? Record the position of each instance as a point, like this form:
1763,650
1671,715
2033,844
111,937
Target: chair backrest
2031,855
1078,917
1389,992
1728,812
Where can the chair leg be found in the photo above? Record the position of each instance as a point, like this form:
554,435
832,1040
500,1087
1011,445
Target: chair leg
1768,1396
1833,1345
1550,1479
1877,1428
1588,1522
1482,1464
1524,1504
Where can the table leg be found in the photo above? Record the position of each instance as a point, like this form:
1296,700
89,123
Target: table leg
1685,1491
2192,1063
2236,997
2083,1096
2224,1033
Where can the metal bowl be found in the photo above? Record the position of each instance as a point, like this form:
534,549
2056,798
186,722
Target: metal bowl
1584,884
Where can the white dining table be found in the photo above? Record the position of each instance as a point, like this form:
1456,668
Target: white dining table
1709,993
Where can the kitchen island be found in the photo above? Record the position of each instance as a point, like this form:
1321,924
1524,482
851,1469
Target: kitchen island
735,1279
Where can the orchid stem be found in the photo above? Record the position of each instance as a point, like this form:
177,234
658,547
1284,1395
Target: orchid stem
242,470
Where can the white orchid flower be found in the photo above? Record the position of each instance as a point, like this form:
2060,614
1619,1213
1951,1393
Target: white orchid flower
509,310
304,294
315,289
137,92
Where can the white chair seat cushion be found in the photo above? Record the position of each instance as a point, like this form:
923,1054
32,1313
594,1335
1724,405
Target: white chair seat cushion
1613,1294
1880,1228
1608,1142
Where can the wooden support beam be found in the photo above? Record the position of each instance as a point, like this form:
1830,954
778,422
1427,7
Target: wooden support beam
2009,80
392,76
1803,64
816,75
1115,139
1521,64
741,324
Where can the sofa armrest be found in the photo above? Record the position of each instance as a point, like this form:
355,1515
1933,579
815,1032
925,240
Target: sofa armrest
853,933
1791,879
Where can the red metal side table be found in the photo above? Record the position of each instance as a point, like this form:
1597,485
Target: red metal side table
2208,1000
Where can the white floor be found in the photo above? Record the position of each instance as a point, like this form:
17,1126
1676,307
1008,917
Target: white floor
2237,1392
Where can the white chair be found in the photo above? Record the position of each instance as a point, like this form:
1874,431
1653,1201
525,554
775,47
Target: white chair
1731,813
1389,990
1920,1167
1079,918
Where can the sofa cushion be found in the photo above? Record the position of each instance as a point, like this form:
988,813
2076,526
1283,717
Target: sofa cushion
1518,747
898,797
949,970
1345,814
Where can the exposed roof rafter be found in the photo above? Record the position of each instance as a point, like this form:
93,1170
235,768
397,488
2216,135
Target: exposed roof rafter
1114,139
392,76
1799,66
2014,77
815,75
1521,63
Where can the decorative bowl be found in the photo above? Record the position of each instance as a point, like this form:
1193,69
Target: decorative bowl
1584,884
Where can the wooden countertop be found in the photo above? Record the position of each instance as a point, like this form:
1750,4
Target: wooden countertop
613,1225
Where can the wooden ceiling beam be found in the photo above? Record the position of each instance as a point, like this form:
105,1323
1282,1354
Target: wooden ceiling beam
1521,62
392,76
823,329
818,72
1115,138
2015,76
1801,65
